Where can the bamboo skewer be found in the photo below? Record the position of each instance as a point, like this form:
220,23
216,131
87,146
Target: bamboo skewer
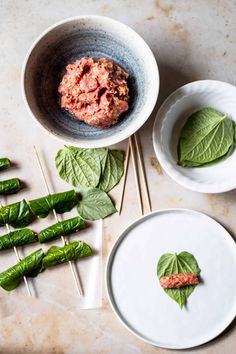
132,146
18,259
74,274
127,155
136,176
144,177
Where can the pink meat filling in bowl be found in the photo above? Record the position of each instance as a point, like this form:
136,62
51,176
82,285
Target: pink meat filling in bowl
95,91
90,81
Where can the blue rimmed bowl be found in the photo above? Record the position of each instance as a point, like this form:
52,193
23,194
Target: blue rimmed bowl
88,36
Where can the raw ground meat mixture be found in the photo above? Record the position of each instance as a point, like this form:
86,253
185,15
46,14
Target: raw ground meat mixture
175,281
95,91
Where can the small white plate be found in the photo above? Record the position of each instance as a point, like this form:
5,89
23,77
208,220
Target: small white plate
139,301
170,119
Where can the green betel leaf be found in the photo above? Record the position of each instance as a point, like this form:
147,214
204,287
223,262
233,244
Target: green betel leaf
61,228
207,137
4,163
112,162
90,168
94,204
79,167
17,215
73,251
183,262
10,186
17,238
61,202
11,278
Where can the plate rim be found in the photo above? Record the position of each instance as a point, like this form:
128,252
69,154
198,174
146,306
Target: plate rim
176,175
110,257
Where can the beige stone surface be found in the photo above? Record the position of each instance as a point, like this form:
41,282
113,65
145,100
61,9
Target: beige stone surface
191,40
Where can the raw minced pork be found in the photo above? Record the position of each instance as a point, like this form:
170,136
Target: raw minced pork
95,91
175,281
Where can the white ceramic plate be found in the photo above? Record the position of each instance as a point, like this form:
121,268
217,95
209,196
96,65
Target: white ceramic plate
139,301
171,118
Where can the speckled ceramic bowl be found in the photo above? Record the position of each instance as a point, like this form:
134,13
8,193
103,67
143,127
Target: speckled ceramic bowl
92,36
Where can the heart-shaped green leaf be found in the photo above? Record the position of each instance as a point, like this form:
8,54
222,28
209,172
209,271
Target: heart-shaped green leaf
183,262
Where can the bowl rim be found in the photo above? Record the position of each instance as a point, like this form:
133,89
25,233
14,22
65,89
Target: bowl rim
121,135
177,176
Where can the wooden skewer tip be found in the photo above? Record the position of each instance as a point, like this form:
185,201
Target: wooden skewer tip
142,168
136,176
127,155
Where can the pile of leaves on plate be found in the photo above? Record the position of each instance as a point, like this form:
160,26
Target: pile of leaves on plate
207,137
94,172
182,263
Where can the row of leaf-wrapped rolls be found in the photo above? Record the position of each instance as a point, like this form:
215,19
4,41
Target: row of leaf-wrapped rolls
38,261
20,214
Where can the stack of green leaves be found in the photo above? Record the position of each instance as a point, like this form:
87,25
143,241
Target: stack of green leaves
94,172
207,137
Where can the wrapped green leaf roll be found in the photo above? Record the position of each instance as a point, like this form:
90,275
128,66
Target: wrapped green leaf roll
56,255
17,238
12,277
17,214
61,228
4,163
61,202
10,186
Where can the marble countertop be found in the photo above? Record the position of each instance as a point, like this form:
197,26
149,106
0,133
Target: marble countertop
191,40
